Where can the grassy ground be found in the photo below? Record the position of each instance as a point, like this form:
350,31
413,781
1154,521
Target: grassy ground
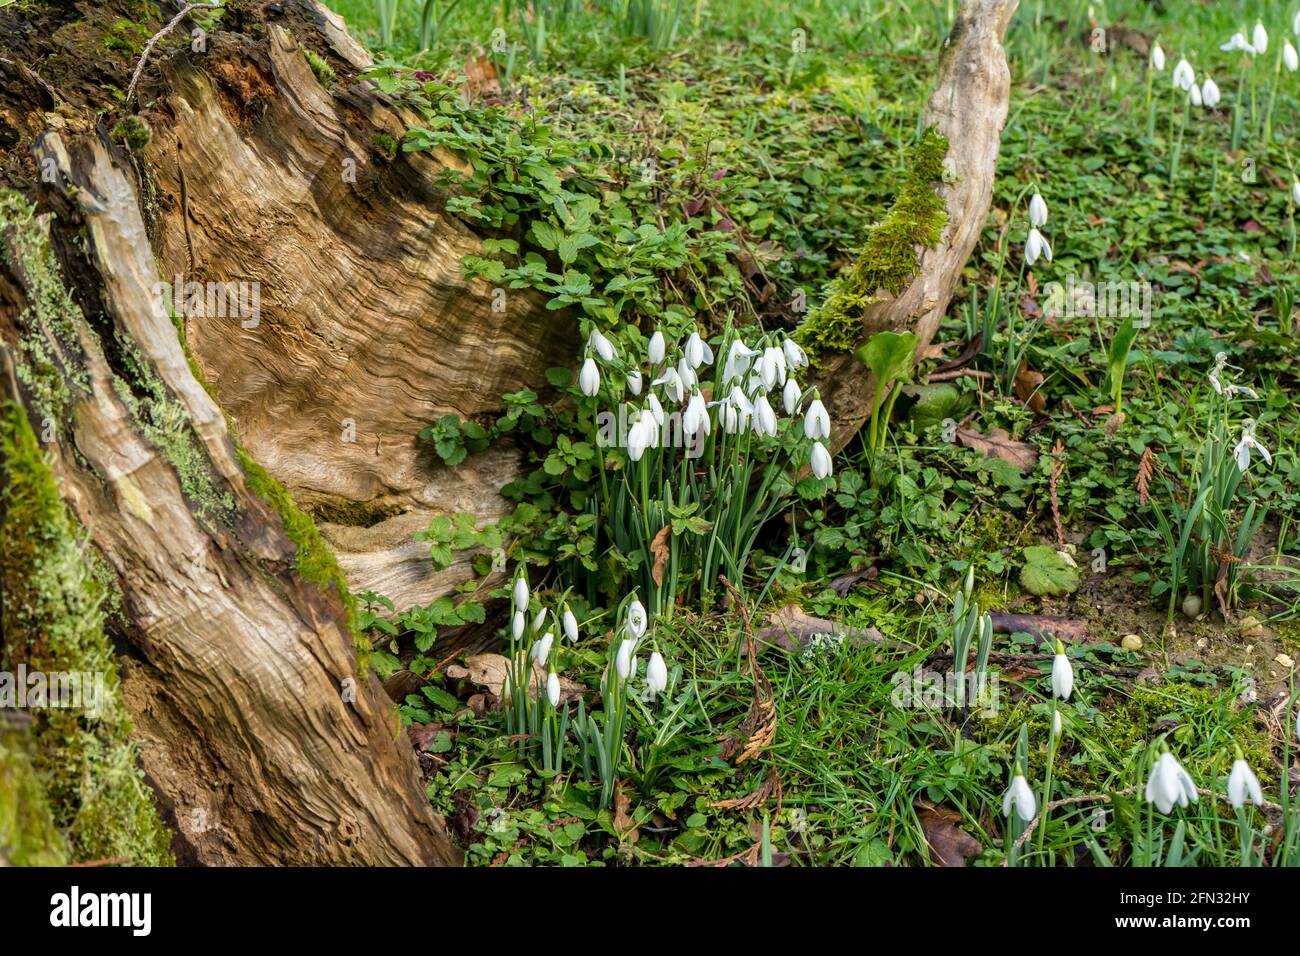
790,124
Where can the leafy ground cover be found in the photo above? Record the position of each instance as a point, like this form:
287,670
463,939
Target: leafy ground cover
1072,445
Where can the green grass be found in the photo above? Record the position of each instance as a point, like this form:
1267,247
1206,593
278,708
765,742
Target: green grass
798,129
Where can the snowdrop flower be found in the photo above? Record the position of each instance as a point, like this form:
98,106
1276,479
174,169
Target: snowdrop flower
1056,723
790,395
542,649
1295,191
795,357
1295,24
731,418
539,620
1228,389
1021,798
1036,246
1243,785
1184,75
1259,39
641,435
570,626
635,622
738,361
517,625
589,378
1062,674
772,367
816,422
634,381
1169,784
655,351
696,417
672,383
1290,58
1158,58
1238,41
604,348
820,461
623,660
656,674
1246,445
694,350
656,410
1194,94
1210,93
1037,211
553,688
686,375
764,422
521,594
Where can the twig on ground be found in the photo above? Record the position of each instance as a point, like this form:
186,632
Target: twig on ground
153,40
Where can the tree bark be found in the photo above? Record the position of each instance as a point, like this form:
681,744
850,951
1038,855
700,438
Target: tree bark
969,107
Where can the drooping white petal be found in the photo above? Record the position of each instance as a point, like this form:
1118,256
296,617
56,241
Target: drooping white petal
816,421
553,688
821,461
1157,58
795,357
521,594
1259,39
1062,676
1020,798
623,660
1184,76
1194,94
1037,211
1243,785
1210,93
570,626
694,350
634,381
517,625
655,351
589,377
790,395
604,348
1290,58
656,674
635,620
542,649
764,422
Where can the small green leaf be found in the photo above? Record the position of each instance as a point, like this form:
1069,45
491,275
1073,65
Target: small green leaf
1047,573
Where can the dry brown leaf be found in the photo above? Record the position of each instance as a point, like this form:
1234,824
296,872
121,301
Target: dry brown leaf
623,823
950,845
480,77
1029,386
999,444
489,671
659,548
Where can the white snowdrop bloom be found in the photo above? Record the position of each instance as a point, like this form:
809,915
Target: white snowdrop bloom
764,422
542,649
1194,94
1020,798
570,626
1237,41
1243,785
1157,58
694,350
1295,191
1169,784
1290,58
1062,676
1259,39
589,377
1184,75
635,621
521,594
539,620
634,381
1037,211
672,383
553,688
1228,389
816,421
656,410
795,357
696,417
739,357
790,395
820,460
772,367
1248,444
740,400
656,350
686,375
1056,723
1210,93
623,660
656,674
1295,24
604,348
731,417
517,625
1035,246
639,436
